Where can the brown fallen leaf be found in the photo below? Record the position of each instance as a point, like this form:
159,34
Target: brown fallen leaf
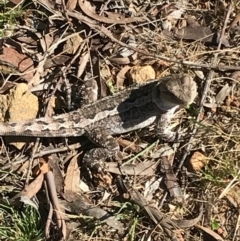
170,179
195,33
121,76
203,34
198,161
15,1
59,60
129,145
141,74
71,5
72,44
233,195
235,75
31,190
20,61
72,178
103,89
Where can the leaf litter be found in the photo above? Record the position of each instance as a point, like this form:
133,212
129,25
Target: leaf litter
63,48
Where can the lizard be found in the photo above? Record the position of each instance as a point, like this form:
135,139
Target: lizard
133,108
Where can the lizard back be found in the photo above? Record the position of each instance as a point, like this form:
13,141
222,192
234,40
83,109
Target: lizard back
75,123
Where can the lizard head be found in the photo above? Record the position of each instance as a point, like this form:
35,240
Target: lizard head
178,89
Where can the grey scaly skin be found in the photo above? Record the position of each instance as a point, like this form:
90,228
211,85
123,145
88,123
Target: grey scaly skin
128,110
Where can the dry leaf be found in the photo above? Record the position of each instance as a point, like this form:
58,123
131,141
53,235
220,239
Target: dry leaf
203,34
140,74
195,33
72,178
170,179
41,167
210,233
223,93
72,44
71,5
33,188
198,161
129,145
83,63
89,10
233,196
21,62
56,61
235,75
121,76
53,162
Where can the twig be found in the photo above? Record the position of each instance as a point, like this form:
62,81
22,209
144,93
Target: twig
35,147
54,199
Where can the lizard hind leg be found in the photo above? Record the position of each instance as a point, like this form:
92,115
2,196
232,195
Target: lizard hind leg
95,158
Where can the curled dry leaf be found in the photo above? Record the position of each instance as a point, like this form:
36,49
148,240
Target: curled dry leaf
198,161
121,76
140,74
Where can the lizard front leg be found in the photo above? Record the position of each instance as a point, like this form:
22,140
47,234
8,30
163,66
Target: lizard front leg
95,158
162,128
